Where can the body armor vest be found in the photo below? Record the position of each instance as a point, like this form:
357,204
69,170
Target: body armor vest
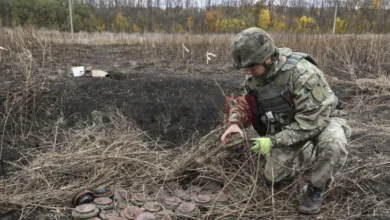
274,103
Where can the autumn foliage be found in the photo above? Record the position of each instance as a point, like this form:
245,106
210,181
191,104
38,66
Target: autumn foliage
186,16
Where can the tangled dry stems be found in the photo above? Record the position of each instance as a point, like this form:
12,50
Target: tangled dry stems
337,55
115,155
119,155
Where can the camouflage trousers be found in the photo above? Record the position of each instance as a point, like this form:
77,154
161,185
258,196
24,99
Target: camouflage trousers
327,153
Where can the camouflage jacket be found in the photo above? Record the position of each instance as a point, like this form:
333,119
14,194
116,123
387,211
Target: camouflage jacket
312,100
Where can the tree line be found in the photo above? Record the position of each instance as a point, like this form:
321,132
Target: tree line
202,16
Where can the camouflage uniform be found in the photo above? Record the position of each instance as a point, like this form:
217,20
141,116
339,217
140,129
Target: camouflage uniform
294,106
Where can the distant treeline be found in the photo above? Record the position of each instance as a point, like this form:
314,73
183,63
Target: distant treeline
202,16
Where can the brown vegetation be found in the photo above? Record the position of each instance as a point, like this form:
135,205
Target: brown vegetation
47,161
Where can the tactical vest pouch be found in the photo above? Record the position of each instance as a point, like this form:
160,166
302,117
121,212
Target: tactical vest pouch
257,124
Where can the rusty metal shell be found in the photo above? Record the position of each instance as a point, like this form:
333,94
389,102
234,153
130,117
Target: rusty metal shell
171,202
104,214
152,206
193,189
103,203
132,212
211,187
103,191
94,218
201,199
220,198
186,207
86,208
122,196
82,197
146,216
139,199
85,211
165,215
184,195
122,205
168,217
115,218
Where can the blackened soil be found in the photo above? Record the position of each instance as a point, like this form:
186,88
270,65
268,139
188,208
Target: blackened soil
171,108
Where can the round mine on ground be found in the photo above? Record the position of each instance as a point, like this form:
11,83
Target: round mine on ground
165,215
103,203
86,208
122,206
212,186
115,218
152,206
85,211
201,199
82,197
139,199
172,203
94,218
220,198
132,212
122,195
146,216
108,212
103,191
187,209
184,195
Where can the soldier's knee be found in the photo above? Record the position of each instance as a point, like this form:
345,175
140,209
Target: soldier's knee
333,149
274,176
269,182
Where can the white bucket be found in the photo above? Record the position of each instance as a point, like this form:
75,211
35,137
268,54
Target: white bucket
78,71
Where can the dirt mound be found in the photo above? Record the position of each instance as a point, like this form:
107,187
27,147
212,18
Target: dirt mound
169,108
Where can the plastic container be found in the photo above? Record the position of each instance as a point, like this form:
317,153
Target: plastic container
78,71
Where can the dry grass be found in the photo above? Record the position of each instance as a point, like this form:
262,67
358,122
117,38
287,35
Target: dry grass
344,56
117,154
120,155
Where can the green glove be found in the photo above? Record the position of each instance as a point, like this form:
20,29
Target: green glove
261,145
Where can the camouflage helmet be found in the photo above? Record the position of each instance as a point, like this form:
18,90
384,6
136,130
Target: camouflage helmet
251,46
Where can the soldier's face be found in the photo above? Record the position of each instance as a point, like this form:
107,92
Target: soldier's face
257,69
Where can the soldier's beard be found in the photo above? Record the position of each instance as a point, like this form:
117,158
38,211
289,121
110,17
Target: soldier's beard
269,72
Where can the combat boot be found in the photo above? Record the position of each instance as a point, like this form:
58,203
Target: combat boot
311,201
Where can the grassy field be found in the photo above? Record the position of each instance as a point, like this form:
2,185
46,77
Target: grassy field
157,121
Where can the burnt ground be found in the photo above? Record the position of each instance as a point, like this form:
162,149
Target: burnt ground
170,108
170,102
173,103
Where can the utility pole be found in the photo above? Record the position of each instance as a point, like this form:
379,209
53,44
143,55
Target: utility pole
71,20
335,17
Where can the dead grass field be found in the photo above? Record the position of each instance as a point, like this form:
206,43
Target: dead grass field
156,122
